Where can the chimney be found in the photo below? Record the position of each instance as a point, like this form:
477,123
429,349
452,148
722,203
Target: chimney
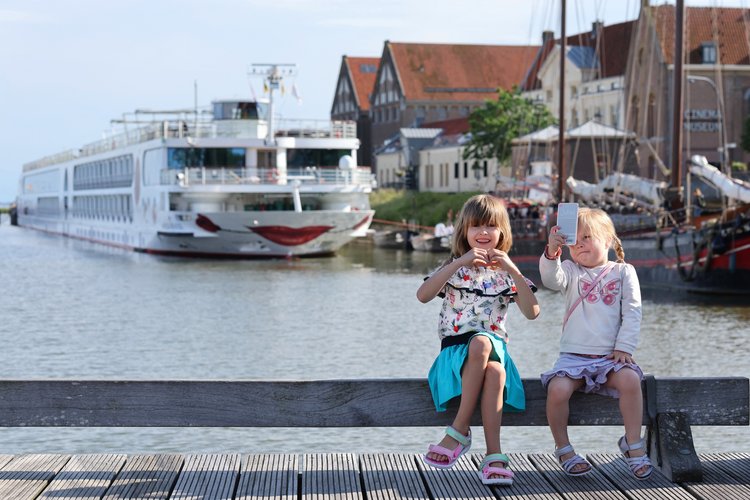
547,36
596,29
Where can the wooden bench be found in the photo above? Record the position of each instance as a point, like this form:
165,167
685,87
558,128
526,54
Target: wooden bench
672,406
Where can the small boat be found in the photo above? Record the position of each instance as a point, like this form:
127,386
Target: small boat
430,243
396,239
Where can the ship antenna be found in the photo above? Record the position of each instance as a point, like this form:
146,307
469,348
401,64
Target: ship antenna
273,80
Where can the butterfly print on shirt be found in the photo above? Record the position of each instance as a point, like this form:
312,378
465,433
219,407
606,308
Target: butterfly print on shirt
606,291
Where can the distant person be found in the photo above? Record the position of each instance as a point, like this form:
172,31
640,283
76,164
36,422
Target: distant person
477,284
600,332
699,202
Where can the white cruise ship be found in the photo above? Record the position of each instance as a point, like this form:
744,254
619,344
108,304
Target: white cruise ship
225,183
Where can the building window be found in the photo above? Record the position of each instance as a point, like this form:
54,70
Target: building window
455,170
708,53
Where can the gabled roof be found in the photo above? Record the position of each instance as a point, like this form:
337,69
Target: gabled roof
595,129
433,72
590,129
362,72
724,26
609,44
450,127
549,133
421,133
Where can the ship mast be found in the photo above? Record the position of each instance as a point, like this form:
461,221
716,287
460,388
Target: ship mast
561,131
677,104
273,80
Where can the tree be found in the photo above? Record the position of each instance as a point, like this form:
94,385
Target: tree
497,123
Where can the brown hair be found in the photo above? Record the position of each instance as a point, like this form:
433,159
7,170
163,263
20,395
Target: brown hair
600,226
479,210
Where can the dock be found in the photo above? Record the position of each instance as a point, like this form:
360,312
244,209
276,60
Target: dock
671,407
347,477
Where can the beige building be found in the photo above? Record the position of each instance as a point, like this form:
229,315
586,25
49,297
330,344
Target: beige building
443,169
594,75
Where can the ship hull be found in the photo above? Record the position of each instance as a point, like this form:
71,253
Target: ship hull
694,262
229,235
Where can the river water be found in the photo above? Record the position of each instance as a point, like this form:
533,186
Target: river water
72,309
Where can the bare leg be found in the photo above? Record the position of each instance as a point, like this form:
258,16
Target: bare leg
628,384
559,391
492,408
472,378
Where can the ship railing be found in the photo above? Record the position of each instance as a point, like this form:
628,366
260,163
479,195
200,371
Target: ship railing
179,129
361,176
345,129
54,159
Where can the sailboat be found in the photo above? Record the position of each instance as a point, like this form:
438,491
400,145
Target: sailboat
670,247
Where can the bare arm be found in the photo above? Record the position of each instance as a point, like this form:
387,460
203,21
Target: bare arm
525,299
432,285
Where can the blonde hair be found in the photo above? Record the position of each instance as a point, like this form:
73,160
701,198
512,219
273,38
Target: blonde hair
480,210
600,227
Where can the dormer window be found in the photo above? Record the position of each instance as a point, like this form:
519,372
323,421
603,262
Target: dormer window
708,52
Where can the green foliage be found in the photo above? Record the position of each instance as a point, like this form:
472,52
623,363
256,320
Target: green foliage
739,166
497,123
425,209
745,139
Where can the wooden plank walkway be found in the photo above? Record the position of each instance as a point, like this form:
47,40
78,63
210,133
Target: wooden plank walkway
346,477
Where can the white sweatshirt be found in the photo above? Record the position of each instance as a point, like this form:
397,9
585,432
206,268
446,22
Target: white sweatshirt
609,316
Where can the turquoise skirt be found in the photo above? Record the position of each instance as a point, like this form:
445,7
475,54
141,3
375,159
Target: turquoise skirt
445,375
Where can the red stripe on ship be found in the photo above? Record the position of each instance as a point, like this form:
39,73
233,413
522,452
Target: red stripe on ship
290,236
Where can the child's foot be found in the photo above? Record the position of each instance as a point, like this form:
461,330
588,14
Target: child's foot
572,463
451,447
494,470
635,455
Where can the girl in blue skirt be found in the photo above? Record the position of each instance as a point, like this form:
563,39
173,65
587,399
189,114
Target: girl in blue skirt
477,284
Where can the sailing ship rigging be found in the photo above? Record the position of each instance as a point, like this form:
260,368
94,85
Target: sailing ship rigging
672,245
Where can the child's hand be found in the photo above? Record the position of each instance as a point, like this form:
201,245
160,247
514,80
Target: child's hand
476,257
556,240
499,259
621,357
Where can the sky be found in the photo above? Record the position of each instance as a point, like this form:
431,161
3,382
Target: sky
68,67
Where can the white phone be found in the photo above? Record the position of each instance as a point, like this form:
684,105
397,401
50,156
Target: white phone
567,220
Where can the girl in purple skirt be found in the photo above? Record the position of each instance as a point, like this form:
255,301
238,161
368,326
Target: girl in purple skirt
599,335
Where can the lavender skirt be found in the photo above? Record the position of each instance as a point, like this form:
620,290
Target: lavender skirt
593,371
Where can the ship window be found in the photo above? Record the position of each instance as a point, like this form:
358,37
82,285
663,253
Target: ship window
314,157
205,157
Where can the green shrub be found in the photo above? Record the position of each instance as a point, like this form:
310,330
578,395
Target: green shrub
424,209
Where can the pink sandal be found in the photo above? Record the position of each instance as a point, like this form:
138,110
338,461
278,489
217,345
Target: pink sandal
464,444
506,476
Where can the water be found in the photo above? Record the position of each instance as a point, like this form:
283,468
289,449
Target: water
72,309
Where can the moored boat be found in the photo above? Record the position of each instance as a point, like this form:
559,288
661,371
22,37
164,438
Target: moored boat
229,185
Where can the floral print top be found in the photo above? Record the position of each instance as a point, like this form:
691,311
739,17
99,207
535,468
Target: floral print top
475,299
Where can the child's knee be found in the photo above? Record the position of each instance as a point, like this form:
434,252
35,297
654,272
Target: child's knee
480,347
628,381
494,372
558,392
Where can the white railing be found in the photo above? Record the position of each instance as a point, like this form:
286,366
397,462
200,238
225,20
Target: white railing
361,176
176,129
